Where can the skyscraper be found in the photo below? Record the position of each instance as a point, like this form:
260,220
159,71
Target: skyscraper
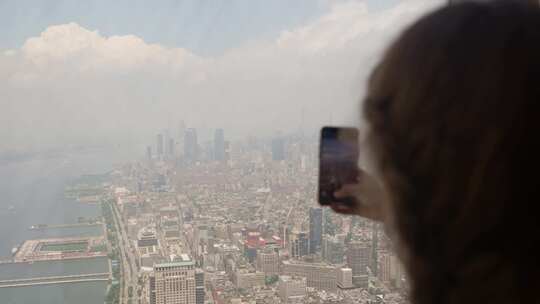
358,259
299,244
149,152
159,145
175,282
190,145
332,249
170,147
278,148
199,286
315,229
219,145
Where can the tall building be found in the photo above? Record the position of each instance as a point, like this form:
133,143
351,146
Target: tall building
358,259
278,148
170,147
159,145
219,145
291,288
319,276
149,152
268,262
152,288
390,269
315,229
199,286
191,145
332,249
299,244
175,281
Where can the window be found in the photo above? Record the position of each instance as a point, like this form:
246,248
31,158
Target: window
190,127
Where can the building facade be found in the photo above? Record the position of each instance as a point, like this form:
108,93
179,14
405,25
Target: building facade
175,282
318,275
315,229
268,262
344,278
290,288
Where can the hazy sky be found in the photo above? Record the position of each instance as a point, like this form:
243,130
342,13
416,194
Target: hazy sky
87,71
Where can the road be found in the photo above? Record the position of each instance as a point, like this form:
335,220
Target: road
130,275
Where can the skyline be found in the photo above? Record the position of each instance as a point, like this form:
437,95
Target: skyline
72,84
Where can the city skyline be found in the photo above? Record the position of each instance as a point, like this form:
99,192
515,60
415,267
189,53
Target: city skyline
69,78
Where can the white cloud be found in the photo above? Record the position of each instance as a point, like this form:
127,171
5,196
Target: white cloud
71,83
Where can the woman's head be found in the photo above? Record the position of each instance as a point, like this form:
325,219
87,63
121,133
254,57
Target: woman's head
453,110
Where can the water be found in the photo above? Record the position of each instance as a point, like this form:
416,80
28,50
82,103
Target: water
53,268
32,192
72,293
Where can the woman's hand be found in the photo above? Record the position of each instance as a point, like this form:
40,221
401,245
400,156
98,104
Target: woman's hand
366,198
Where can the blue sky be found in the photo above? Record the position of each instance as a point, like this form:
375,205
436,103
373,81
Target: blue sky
203,26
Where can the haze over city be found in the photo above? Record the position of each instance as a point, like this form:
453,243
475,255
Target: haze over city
68,82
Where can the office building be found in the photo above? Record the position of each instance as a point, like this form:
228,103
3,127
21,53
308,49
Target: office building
278,148
191,146
358,259
149,152
170,147
332,249
152,288
315,229
159,145
199,286
175,281
299,244
268,262
390,269
291,288
318,275
219,145
344,278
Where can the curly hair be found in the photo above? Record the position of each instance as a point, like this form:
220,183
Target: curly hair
454,111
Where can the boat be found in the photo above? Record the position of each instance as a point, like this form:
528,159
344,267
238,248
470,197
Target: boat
14,250
38,226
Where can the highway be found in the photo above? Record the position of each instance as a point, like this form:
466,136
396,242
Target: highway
129,268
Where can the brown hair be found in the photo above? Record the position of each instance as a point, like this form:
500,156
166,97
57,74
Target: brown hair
454,114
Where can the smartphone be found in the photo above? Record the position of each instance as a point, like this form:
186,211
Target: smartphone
338,161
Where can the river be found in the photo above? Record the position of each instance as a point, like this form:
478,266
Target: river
32,192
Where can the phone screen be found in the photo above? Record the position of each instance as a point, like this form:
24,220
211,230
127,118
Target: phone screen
338,158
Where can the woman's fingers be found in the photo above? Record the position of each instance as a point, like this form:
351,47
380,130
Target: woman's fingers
364,198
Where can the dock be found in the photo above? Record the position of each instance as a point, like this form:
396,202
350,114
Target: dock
91,277
46,226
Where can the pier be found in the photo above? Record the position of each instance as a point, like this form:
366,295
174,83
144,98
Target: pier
46,226
91,277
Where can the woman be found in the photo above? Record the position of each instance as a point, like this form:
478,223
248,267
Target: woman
453,110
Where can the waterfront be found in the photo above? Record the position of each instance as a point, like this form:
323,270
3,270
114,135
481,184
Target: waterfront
32,193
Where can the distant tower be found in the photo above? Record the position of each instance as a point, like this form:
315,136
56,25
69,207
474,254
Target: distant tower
278,148
219,145
149,152
315,229
159,144
170,147
190,145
